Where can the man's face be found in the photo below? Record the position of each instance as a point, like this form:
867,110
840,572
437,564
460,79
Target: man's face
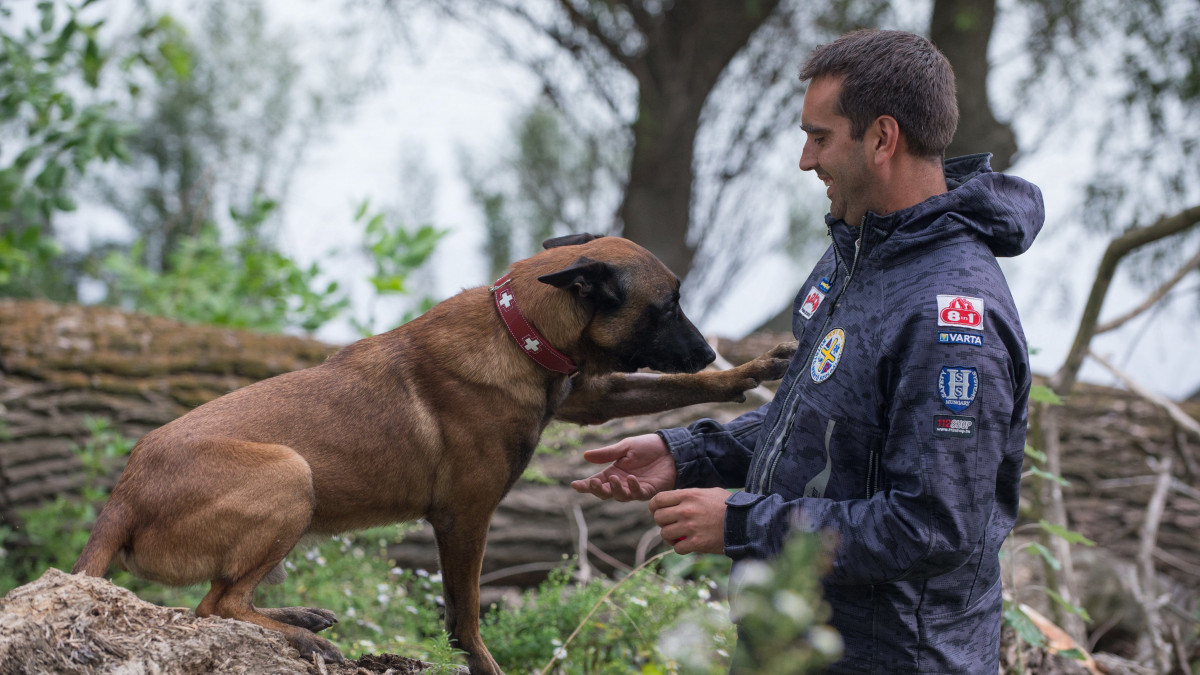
838,160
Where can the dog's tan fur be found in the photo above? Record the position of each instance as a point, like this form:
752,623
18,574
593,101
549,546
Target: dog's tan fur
436,419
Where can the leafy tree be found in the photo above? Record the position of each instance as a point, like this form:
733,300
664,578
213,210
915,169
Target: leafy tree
57,122
235,128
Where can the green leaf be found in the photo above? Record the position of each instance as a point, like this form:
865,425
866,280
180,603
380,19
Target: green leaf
1023,625
1040,393
92,63
1071,536
1045,553
1075,654
47,12
1046,475
1034,453
1072,608
177,57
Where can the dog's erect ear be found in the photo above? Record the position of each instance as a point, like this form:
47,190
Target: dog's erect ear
591,280
570,240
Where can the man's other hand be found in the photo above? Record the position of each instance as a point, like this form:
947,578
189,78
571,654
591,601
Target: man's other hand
692,520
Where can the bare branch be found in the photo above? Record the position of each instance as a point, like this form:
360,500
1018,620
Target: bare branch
1177,415
593,28
1149,580
1117,249
1154,297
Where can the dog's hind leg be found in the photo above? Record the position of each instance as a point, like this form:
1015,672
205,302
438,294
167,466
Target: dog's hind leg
460,541
262,503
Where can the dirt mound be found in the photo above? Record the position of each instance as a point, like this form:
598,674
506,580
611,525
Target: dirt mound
63,623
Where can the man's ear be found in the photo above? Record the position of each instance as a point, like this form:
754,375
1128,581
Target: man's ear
570,240
590,280
885,138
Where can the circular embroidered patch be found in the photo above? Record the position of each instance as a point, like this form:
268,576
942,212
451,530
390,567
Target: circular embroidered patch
829,352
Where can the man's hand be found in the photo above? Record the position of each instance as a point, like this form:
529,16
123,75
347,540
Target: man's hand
692,520
641,468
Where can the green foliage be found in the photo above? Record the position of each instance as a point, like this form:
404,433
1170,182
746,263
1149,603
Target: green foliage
57,136
637,623
1040,393
780,611
380,607
395,253
55,125
246,285
25,254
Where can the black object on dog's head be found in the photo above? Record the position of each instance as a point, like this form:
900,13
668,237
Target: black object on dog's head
570,240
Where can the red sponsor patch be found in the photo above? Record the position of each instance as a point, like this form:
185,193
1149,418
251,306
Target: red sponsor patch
960,311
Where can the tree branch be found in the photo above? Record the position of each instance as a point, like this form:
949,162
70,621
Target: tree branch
1117,249
593,28
1177,415
1158,294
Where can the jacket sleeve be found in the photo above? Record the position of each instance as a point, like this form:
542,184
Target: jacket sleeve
940,466
711,454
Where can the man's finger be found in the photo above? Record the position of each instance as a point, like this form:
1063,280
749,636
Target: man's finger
609,453
666,499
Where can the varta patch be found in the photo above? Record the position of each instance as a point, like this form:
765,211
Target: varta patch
954,426
960,311
829,353
954,337
957,385
811,302
824,285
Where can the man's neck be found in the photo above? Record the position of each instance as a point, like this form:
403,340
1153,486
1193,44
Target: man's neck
910,181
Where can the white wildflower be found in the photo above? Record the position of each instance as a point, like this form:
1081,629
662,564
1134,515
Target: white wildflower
639,602
825,640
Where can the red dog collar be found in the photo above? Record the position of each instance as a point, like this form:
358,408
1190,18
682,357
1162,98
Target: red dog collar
524,334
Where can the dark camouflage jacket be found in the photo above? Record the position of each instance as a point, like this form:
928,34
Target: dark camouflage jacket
900,427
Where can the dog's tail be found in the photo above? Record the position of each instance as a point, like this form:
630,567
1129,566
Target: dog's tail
109,535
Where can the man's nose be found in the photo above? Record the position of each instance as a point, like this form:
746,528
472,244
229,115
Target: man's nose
807,161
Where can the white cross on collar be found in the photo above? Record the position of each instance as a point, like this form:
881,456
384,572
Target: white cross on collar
506,299
532,345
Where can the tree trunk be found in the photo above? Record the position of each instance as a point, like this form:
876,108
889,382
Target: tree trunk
962,29
687,49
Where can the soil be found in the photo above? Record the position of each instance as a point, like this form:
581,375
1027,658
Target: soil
76,625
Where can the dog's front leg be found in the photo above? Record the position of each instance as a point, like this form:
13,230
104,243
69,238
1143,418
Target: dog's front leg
461,537
599,399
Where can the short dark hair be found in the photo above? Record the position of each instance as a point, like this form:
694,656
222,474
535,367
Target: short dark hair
890,72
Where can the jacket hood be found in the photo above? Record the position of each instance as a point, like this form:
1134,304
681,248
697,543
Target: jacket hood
1004,212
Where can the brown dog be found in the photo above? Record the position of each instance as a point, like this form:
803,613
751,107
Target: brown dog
435,419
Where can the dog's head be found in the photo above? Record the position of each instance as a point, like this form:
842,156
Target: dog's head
636,321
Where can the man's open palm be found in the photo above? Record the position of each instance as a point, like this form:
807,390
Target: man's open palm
641,468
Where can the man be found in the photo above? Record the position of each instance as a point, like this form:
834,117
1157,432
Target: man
900,425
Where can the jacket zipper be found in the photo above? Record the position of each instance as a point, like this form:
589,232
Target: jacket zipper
766,479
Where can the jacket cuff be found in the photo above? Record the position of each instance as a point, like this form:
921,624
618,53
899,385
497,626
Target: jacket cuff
682,446
737,523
